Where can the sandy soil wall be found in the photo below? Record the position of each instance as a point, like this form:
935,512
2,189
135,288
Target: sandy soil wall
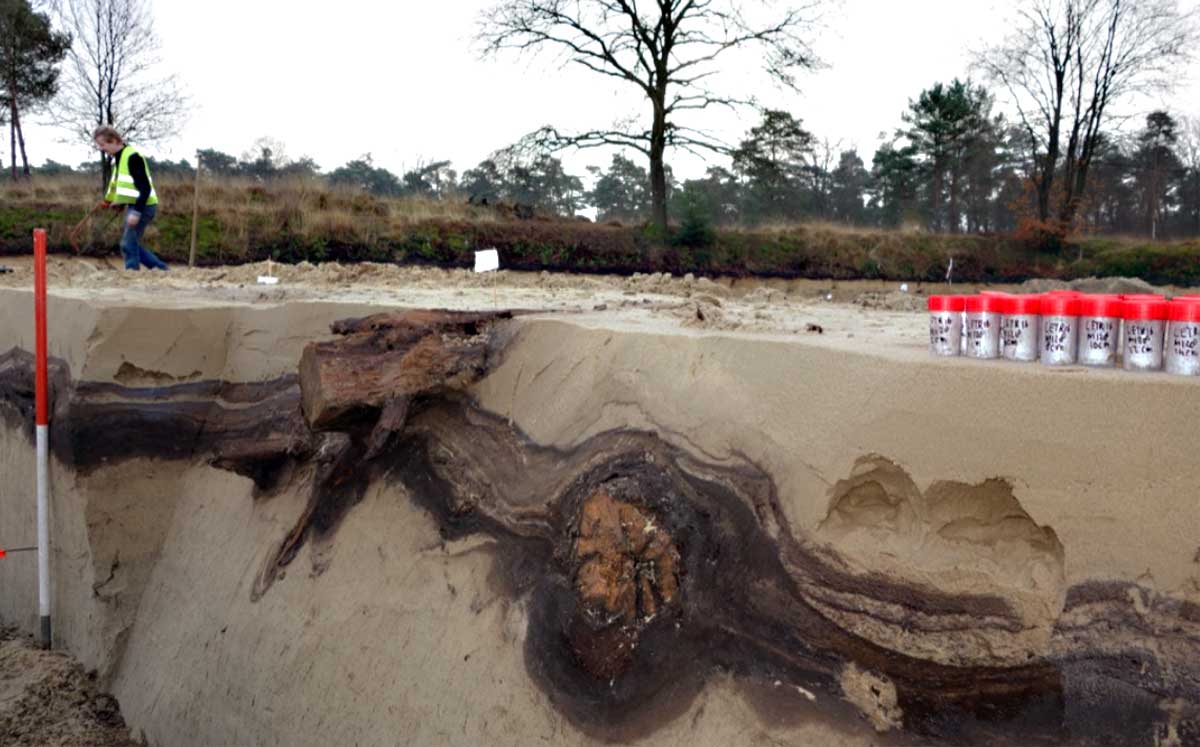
954,477
1100,457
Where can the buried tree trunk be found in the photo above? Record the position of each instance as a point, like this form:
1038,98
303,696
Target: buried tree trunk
380,363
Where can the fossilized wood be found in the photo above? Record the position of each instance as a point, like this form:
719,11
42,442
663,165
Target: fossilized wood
390,359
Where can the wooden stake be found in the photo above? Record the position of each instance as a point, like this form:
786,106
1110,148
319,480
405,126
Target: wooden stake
195,212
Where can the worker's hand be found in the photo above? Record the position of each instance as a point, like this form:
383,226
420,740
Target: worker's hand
133,219
103,205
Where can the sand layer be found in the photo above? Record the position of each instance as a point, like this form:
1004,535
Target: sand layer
805,529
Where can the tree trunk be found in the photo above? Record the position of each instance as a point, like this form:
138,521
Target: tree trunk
954,219
21,142
12,136
658,147
380,364
1045,180
935,195
1074,195
658,171
1196,205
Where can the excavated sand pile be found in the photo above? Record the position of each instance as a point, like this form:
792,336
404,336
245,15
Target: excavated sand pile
654,510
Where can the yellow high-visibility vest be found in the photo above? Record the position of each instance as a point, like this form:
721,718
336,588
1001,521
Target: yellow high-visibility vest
121,188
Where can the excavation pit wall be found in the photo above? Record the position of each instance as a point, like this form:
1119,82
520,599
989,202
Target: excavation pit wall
833,531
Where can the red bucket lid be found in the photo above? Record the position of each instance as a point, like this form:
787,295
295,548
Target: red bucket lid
985,304
1000,294
1102,305
1060,304
1145,307
946,303
1142,297
1023,304
1191,298
1185,310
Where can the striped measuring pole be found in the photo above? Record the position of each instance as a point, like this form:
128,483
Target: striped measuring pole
42,424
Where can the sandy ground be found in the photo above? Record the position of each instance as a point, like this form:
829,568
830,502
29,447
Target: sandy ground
873,312
47,700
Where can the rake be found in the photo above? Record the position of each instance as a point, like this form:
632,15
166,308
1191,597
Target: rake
74,235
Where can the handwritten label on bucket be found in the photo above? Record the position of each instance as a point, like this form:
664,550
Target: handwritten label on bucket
487,260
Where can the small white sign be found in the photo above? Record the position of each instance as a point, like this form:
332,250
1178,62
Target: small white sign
487,260
269,278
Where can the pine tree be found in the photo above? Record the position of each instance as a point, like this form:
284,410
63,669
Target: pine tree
1155,166
894,180
621,193
772,163
30,52
850,181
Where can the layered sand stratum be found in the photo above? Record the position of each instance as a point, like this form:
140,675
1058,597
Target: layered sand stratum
638,510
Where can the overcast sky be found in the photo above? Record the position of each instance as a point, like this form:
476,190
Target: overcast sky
405,82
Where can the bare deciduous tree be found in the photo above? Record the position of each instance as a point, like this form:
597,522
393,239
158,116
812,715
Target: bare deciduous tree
1066,64
669,50
821,161
112,75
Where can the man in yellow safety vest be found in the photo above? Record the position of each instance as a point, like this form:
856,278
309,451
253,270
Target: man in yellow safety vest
132,189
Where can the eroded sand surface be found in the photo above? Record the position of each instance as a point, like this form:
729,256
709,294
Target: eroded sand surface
874,312
47,700
668,510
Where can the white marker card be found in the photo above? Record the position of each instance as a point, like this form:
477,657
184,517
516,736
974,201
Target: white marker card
487,260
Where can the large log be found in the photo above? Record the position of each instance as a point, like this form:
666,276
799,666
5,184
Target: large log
380,363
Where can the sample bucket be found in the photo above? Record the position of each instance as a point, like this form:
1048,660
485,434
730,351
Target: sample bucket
945,324
1060,329
1099,330
1182,354
1145,332
1021,328
983,326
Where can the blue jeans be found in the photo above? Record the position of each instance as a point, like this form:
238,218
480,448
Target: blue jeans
137,255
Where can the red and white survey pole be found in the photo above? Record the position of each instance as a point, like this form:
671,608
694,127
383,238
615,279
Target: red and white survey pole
42,424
